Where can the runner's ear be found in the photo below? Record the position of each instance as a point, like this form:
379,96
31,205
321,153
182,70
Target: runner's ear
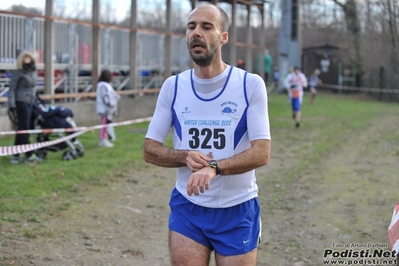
224,38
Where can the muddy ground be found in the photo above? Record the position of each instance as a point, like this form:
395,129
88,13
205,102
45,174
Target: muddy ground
344,202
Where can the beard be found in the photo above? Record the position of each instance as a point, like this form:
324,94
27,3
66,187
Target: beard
202,60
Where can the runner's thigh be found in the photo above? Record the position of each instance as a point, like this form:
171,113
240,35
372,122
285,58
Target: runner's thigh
186,252
247,259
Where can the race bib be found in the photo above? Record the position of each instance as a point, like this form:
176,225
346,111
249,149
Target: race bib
295,93
211,136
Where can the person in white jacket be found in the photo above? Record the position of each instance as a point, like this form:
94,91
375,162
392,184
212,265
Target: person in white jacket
295,82
107,106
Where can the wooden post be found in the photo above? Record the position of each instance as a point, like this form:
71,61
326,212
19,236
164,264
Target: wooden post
48,49
96,45
133,46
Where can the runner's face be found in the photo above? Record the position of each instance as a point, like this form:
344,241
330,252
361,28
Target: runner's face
203,35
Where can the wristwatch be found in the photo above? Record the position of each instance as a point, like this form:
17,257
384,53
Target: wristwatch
215,165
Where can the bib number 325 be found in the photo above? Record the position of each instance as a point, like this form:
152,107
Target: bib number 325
207,138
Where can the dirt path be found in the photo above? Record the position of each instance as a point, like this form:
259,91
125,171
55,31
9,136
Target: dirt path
347,198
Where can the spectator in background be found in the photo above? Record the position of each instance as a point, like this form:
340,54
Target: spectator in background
2,73
241,64
107,106
294,83
314,82
276,77
84,53
267,60
268,63
21,97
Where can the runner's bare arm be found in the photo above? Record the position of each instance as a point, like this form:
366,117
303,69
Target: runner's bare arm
256,156
155,152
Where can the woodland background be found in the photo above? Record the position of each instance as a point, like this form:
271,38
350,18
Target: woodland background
366,31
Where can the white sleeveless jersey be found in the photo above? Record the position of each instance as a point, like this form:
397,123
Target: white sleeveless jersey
220,124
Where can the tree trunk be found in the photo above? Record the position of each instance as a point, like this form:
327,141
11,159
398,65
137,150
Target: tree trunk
353,25
392,18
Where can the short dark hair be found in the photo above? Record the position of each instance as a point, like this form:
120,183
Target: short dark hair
224,21
297,68
105,76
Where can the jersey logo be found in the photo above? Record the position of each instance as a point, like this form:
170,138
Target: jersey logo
229,107
228,110
186,110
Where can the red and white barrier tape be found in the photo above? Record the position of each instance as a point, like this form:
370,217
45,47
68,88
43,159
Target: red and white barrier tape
60,130
10,150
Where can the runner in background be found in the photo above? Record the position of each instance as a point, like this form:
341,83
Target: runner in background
294,83
314,82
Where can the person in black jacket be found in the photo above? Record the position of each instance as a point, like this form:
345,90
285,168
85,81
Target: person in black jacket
21,97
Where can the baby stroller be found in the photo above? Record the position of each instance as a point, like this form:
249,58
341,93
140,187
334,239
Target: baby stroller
49,116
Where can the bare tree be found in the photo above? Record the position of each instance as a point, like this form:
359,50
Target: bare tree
154,17
179,17
108,13
393,20
349,7
59,8
271,10
24,9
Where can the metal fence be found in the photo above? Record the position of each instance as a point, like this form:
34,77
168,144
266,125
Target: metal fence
72,57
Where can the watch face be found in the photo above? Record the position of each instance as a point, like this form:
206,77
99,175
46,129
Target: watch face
213,163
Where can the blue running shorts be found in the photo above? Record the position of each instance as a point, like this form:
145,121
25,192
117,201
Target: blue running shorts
229,231
296,104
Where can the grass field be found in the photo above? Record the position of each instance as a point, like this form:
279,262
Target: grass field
30,193
26,190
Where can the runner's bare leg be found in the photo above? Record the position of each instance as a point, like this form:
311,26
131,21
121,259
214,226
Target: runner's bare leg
186,252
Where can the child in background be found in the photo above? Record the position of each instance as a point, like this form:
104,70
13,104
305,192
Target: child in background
107,105
314,82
